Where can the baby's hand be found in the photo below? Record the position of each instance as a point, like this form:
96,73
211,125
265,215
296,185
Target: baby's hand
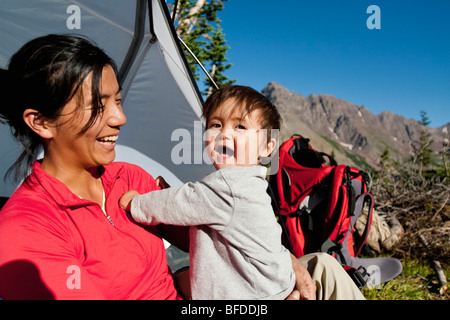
125,200
162,183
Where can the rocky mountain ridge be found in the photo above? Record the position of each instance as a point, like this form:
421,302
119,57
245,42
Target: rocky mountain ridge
355,135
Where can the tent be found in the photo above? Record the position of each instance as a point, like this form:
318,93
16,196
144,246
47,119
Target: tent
160,97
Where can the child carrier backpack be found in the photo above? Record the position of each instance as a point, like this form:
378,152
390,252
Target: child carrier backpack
318,202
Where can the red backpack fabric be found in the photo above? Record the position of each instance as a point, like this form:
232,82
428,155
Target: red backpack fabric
318,202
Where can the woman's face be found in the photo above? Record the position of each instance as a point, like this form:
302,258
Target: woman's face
95,146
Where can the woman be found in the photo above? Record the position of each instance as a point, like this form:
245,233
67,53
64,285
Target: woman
62,234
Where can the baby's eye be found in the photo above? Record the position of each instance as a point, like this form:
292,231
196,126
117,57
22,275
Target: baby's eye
241,127
215,125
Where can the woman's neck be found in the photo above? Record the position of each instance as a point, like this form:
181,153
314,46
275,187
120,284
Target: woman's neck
84,182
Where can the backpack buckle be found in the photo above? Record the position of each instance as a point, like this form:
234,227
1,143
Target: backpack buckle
359,276
330,246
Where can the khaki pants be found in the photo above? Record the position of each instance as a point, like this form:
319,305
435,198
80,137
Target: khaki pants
332,281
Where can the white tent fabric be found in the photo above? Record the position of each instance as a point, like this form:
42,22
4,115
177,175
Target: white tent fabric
159,93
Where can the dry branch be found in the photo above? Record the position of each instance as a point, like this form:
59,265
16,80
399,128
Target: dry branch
422,207
437,268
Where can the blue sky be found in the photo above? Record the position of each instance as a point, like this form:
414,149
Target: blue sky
324,46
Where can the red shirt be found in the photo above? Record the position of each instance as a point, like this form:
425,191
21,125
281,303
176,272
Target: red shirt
55,245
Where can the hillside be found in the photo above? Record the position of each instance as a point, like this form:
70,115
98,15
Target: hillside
353,133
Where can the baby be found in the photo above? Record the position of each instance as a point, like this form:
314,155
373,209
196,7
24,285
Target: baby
235,240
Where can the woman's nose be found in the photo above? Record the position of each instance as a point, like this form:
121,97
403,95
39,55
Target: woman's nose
117,118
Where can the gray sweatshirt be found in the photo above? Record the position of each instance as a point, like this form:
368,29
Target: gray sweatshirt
235,242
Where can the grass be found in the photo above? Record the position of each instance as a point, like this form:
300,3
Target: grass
417,282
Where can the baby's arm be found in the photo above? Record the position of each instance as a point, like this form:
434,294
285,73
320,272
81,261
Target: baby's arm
188,205
125,200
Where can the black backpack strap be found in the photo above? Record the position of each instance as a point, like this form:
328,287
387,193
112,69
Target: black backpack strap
276,208
305,155
300,143
332,161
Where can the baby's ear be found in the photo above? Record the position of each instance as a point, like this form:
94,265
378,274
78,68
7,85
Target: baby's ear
38,123
265,152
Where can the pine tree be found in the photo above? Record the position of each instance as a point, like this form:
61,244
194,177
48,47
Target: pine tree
198,25
385,161
333,154
422,150
216,54
190,26
445,157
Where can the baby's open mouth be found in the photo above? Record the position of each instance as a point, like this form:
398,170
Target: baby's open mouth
225,151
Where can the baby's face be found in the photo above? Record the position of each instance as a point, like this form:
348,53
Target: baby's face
232,140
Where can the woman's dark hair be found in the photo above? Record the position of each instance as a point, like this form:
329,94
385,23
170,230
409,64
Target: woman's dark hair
45,74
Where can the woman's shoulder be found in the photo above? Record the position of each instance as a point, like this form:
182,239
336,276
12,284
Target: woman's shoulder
29,212
136,177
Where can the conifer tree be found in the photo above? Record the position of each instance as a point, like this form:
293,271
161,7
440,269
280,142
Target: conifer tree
198,25
385,162
422,150
216,54
445,157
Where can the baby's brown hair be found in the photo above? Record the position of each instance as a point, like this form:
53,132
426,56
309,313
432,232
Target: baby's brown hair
249,100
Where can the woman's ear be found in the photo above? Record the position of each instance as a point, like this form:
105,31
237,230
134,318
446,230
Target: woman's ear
38,123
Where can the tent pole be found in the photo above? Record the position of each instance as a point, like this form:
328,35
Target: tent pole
174,13
199,63
136,43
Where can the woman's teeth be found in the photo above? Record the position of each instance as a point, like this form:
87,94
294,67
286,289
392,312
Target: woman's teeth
108,140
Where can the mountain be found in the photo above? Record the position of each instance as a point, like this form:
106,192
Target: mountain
355,135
